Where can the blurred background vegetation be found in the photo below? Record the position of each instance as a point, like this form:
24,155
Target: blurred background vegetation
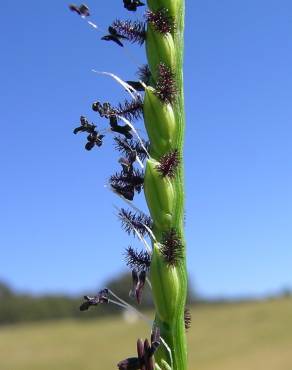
17,308
49,332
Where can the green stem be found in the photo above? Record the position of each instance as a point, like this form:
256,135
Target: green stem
165,125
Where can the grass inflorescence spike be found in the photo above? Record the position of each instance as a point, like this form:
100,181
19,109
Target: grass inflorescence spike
161,105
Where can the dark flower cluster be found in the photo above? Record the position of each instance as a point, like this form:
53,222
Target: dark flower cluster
101,297
171,247
132,148
134,31
144,76
145,352
132,221
169,163
144,73
132,5
166,89
114,36
82,10
127,182
94,138
139,261
131,110
161,21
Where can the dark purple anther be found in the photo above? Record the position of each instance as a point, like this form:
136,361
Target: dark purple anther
140,286
132,363
123,130
148,358
132,5
145,359
127,191
135,281
82,10
138,279
114,36
85,126
126,165
93,139
101,297
140,349
155,339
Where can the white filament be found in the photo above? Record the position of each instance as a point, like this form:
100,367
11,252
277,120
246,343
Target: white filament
126,86
149,283
93,25
127,305
150,232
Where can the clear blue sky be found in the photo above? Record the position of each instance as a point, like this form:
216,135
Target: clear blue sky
58,230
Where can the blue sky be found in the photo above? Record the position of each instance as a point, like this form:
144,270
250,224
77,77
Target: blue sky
59,231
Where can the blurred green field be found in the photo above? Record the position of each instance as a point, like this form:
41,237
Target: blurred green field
242,336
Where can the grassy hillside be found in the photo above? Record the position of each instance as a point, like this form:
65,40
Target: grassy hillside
245,336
